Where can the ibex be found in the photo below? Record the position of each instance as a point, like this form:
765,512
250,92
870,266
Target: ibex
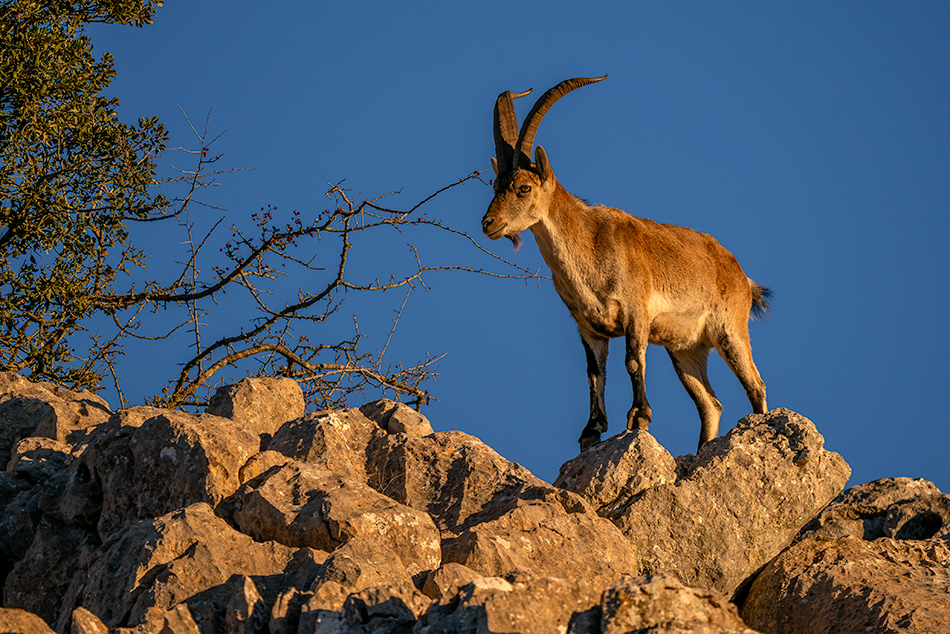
625,276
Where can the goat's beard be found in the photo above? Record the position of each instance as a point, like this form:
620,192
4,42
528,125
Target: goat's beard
516,241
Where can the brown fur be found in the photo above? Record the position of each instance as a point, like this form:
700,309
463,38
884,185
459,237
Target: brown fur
620,275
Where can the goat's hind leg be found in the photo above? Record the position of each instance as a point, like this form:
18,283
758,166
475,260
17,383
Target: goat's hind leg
596,349
690,366
736,350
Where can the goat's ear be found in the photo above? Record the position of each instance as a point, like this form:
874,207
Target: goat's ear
541,162
494,165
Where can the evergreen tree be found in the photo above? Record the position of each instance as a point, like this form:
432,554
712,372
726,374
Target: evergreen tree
72,177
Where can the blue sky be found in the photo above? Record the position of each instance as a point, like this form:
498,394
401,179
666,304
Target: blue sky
811,138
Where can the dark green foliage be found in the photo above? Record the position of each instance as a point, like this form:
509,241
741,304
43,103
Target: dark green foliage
71,177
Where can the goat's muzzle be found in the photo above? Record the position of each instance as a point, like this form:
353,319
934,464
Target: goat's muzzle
490,227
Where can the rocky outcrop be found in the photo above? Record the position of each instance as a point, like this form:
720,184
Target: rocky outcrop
876,559
45,410
899,508
260,406
22,622
148,462
530,605
298,505
728,510
454,477
612,473
255,516
332,440
522,542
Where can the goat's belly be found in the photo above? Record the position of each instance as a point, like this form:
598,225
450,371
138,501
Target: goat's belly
604,321
677,330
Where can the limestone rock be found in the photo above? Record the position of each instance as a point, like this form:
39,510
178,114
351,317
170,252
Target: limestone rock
662,604
737,504
149,462
260,463
38,459
85,622
36,473
385,608
18,511
332,440
611,473
43,575
902,508
540,538
300,505
359,564
446,581
246,612
178,620
260,405
172,559
44,409
19,621
397,418
527,606
454,477
285,612
852,586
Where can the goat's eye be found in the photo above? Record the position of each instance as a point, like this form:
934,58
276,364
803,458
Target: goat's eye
524,189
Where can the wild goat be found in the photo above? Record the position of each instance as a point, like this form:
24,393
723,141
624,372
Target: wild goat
622,275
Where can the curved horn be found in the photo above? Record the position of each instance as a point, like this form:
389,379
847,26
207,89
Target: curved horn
530,126
506,128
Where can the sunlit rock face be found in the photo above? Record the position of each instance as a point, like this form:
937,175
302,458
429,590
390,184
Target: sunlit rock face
258,516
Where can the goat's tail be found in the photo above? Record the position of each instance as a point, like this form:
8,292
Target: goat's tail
761,296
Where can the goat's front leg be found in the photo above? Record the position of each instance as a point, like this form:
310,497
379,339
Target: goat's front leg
596,349
638,417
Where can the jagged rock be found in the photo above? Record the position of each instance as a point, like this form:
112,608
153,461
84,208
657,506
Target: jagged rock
18,621
332,440
178,620
445,581
542,539
246,612
18,510
527,606
454,477
384,609
42,576
285,612
261,405
300,505
260,463
610,473
36,472
852,586
399,507
85,622
902,508
397,418
44,409
148,462
39,459
74,497
359,564
662,604
176,558
327,595
737,504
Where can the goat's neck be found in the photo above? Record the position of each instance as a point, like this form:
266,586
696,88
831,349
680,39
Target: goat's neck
561,235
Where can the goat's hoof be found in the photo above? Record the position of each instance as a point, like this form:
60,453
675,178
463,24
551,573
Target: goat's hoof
637,420
588,440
